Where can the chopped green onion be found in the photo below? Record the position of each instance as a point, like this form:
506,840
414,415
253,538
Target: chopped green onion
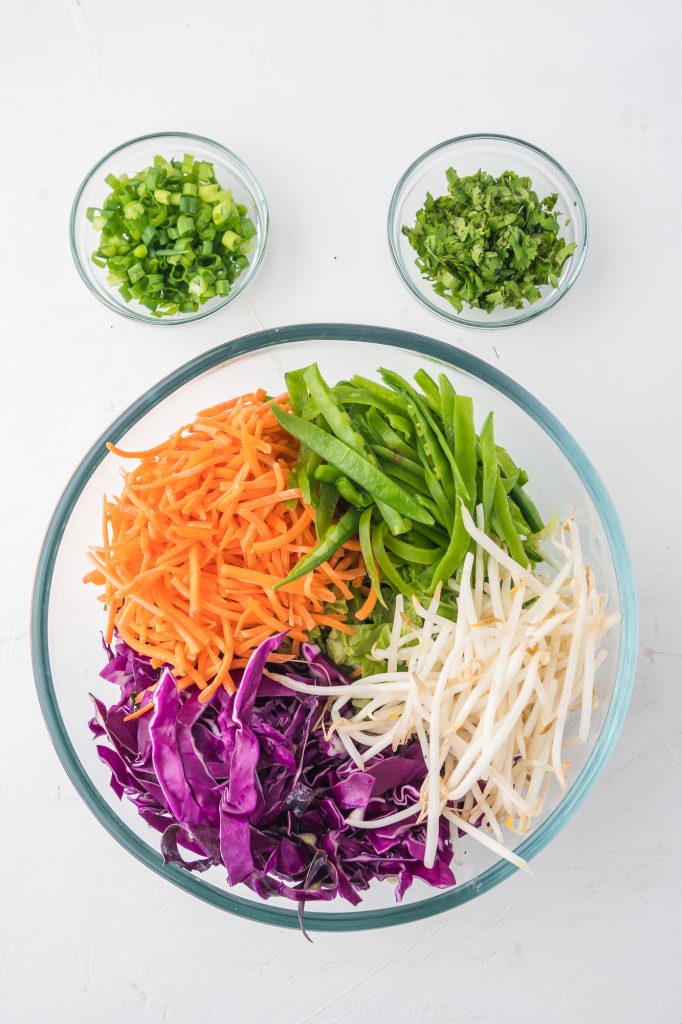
160,231
231,240
136,272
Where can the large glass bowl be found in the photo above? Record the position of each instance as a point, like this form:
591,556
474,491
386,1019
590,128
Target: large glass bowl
495,154
130,157
67,619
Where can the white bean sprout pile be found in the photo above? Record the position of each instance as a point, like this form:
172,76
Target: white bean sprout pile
488,696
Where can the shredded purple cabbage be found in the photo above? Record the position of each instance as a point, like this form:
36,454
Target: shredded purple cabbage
249,781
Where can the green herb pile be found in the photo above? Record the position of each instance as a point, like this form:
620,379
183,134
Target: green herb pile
171,237
393,465
489,241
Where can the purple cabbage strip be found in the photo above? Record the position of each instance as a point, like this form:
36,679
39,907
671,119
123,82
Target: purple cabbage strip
249,781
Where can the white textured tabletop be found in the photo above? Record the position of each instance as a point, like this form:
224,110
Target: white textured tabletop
328,103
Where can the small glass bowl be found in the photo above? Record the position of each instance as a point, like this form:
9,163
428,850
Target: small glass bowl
495,154
231,172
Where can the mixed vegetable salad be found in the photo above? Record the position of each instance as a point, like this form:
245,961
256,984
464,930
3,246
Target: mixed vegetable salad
342,637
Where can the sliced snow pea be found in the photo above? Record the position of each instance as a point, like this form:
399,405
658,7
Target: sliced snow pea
489,471
430,450
351,494
446,513
365,535
389,571
353,465
329,498
337,418
395,458
431,507
508,467
342,427
527,508
504,518
429,432
465,445
337,535
430,389
509,483
384,394
297,390
387,436
447,407
398,472
327,474
411,553
453,556
396,523
519,522
361,396
303,484
312,463
434,534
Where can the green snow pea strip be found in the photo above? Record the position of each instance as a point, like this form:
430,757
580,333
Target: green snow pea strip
447,515
504,518
434,534
337,418
411,553
406,476
447,406
297,390
361,396
431,450
509,467
431,507
342,427
396,523
351,494
527,508
519,522
424,421
389,398
509,483
465,445
455,552
337,535
303,484
387,436
489,471
327,474
389,572
395,458
365,535
312,463
329,497
353,465
430,389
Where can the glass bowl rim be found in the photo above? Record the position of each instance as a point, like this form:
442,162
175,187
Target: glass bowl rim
528,312
351,920
203,313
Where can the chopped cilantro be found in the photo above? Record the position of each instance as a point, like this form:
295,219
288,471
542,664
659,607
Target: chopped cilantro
489,241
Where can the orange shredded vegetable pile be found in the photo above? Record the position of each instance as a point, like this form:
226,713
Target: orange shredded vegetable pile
204,528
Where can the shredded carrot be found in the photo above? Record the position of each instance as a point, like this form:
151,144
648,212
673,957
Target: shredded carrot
368,605
204,529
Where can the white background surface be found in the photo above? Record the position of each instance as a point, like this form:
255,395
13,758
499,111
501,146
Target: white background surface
328,103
